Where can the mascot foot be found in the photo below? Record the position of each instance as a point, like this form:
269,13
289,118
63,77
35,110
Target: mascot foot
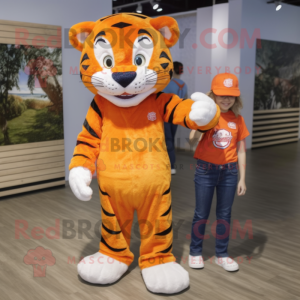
101,269
169,278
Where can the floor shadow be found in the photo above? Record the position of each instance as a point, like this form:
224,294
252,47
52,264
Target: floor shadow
253,248
102,285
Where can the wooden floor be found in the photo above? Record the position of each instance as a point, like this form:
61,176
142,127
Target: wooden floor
269,261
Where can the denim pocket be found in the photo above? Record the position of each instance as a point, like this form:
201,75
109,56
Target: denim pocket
233,169
202,168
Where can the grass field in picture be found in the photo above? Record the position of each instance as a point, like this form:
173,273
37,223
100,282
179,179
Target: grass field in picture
33,126
31,94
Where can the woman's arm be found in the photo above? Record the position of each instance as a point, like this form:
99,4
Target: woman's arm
195,137
241,150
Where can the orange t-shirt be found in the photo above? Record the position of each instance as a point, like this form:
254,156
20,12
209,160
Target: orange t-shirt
219,144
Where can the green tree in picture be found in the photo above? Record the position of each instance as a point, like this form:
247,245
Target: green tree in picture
45,65
278,81
11,61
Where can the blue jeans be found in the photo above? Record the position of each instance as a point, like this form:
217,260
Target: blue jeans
208,177
170,131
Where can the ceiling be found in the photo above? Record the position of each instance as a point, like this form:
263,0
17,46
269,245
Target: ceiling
175,6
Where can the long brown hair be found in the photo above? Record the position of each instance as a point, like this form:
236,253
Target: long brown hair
236,107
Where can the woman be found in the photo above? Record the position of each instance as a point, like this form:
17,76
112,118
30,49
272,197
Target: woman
220,154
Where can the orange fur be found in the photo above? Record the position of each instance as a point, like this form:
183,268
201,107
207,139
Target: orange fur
128,142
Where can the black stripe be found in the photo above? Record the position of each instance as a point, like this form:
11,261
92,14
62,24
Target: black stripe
90,129
110,231
165,65
85,57
165,232
100,33
203,131
158,94
165,108
184,121
106,18
81,155
85,67
111,248
184,99
166,250
96,108
171,73
165,55
103,193
80,75
144,31
84,143
121,25
107,213
139,16
167,191
172,114
167,212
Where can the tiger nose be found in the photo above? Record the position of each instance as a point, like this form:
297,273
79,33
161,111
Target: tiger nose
124,78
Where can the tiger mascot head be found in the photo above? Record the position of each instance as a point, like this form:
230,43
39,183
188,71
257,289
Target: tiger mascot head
125,57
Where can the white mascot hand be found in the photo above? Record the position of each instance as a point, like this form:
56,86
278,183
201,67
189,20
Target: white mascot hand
203,110
79,180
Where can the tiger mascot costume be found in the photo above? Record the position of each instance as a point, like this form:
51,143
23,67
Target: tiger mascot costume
126,62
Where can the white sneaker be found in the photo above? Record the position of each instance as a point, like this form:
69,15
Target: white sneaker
173,171
227,263
196,262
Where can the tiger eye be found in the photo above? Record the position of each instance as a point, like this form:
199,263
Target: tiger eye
138,61
109,63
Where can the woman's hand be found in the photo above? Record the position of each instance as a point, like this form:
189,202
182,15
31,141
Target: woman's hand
241,188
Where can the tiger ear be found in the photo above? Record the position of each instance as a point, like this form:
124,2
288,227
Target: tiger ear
78,33
169,29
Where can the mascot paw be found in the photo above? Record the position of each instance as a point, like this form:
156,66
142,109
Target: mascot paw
101,269
79,180
203,110
169,278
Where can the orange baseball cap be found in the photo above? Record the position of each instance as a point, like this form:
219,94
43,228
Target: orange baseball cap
225,84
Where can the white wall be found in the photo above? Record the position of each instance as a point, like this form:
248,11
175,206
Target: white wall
211,56
65,13
186,54
183,51
203,53
203,62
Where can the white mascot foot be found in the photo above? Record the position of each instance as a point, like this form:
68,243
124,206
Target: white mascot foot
169,278
101,269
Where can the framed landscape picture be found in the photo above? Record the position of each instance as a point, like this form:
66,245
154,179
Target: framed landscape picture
31,96
277,80
277,94
31,107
